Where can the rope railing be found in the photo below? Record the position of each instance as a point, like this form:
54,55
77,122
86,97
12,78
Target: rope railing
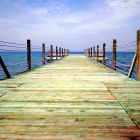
16,64
122,71
12,50
19,65
126,43
12,43
118,54
34,54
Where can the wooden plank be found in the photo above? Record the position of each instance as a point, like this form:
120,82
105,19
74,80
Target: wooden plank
72,98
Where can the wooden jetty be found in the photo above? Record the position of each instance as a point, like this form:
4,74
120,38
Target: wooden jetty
72,98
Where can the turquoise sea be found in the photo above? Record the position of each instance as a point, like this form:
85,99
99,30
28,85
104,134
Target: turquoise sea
16,62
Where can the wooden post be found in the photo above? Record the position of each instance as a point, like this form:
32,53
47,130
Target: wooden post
56,52
43,53
138,55
103,54
91,52
132,65
114,54
94,52
97,51
62,52
4,68
51,57
28,54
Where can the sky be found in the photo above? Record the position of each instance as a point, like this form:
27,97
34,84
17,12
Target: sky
72,24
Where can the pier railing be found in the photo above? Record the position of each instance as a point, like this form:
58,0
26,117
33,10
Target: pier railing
16,58
115,55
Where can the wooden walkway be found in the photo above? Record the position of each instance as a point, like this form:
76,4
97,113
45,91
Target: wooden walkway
72,98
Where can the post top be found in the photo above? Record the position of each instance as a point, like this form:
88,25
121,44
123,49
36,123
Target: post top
138,31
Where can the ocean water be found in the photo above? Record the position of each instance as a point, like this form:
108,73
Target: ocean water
16,62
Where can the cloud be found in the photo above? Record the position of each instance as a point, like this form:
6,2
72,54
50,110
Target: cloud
56,20
123,9
92,32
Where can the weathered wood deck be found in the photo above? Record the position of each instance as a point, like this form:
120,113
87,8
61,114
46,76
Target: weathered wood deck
72,98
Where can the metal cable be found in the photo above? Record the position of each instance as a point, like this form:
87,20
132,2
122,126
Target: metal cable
36,63
127,50
122,71
122,67
109,47
36,51
134,70
16,64
36,46
123,64
18,72
36,60
109,62
108,65
12,43
13,50
12,46
134,75
126,43
127,46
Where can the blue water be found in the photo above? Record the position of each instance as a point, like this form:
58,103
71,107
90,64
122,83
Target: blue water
123,62
16,62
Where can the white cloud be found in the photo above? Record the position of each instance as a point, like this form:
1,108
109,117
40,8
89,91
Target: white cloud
92,32
43,22
123,9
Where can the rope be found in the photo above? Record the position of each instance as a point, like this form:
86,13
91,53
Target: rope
122,67
122,71
109,47
2,75
126,43
127,46
123,64
134,75
110,62
12,46
108,65
18,72
127,50
16,64
37,51
36,60
13,50
12,43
